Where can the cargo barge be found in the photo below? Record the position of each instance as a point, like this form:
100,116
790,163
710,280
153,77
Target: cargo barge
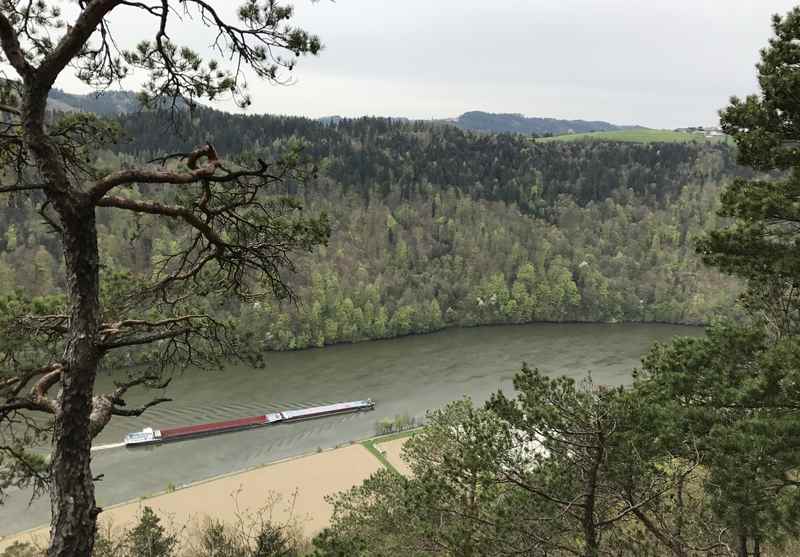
150,436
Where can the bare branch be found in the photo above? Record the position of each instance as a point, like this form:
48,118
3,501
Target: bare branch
111,404
116,411
172,211
206,173
16,384
40,389
155,176
146,339
37,399
74,40
115,328
123,388
13,50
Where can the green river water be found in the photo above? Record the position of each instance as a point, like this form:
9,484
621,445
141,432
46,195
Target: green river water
408,375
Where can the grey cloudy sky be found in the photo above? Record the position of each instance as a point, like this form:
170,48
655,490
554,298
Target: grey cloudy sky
659,63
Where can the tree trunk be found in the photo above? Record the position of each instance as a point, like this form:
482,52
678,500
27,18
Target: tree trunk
72,501
74,513
742,549
591,542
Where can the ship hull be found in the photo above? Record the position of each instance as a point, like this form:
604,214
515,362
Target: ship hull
150,436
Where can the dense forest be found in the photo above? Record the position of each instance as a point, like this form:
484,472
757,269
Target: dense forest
434,226
378,155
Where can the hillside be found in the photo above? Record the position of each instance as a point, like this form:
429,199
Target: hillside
371,155
517,123
434,226
108,104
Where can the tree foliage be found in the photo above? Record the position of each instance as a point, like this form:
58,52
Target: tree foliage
564,468
735,388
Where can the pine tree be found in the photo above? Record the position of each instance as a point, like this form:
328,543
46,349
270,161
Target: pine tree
149,538
229,234
761,244
735,389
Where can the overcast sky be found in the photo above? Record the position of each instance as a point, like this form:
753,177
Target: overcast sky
658,63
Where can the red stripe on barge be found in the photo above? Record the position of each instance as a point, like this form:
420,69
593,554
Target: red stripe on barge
214,427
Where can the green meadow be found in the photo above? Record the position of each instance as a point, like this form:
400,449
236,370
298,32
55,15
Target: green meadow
638,136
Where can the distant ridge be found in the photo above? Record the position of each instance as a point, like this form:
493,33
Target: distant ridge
109,103
124,102
477,120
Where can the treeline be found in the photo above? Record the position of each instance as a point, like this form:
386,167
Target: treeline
381,156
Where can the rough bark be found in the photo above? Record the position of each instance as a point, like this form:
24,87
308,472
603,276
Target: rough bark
74,512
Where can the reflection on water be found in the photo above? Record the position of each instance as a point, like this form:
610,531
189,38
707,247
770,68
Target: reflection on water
408,375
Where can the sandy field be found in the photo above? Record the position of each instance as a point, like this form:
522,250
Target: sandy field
300,486
391,450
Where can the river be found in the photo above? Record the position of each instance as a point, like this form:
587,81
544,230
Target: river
407,375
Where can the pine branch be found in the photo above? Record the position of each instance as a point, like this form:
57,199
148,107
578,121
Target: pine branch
132,412
12,48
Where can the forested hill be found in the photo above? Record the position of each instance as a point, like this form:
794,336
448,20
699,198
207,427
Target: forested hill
435,226
477,120
110,103
378,154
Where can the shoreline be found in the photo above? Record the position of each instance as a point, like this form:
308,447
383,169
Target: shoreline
456,327
250,487
354,457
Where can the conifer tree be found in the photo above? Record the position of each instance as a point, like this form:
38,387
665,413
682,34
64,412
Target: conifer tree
761,244
735,389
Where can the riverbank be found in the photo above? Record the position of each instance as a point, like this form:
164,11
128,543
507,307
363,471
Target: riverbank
480,325
289,491
298,487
